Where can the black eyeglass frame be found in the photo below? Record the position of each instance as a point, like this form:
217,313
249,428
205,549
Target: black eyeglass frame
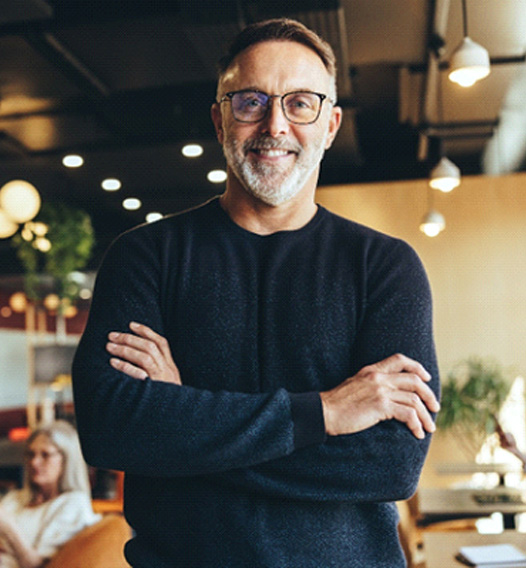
228,97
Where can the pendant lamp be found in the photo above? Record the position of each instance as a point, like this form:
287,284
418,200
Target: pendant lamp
470,61
445,176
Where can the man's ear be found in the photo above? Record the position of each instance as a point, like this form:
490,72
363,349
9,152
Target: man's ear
335,122
217,119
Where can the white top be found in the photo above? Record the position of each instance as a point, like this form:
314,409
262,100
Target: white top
48,526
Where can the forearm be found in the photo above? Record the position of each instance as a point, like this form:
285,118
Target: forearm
26,556
155,428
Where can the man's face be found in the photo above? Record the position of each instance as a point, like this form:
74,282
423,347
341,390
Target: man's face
275,159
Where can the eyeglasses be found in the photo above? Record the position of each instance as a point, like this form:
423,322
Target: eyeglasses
30,455
299,107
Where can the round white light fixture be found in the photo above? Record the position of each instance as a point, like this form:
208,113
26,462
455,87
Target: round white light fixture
216,176
18,302
153,216
192,150
445,176
85,294
42,244
51,302
132,204
433,223
7,226
20,200
469,63
72,161
111,184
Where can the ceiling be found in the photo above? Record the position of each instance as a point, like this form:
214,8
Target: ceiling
127,83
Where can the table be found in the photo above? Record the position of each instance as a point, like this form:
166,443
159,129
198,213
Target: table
441,547
438,504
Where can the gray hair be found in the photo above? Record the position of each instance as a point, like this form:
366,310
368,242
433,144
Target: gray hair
280,29
74,470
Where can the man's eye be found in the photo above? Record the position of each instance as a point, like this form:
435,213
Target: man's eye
252,102
301,102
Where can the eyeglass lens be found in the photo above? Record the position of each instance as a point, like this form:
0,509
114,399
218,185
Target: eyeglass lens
299,107
29,455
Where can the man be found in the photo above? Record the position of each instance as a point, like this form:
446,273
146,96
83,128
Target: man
278,419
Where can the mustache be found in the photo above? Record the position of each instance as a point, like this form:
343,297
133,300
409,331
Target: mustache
266,143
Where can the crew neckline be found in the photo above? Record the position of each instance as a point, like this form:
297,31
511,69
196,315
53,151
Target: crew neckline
309,226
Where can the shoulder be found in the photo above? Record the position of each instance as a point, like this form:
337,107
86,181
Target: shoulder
365,240
175,222
151,241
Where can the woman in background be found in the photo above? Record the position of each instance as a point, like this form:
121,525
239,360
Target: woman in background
54,503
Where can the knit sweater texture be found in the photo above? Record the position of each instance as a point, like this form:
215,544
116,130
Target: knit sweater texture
234,469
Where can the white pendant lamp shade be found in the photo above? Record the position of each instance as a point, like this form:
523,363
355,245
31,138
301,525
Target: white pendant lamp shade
445,176
469,63
20,200
433,223
7,226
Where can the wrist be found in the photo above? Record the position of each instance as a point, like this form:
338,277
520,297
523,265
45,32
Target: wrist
328,414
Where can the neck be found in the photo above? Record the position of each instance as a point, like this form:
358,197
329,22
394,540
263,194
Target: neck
257,217
43,494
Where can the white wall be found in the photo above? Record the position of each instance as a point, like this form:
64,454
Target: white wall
14,371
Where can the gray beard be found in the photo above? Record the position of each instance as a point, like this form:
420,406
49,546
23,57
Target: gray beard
264,181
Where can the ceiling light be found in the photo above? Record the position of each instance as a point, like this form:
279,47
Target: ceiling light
153,216
445,176
7,226
469,63
85,294
132,204
433,223
192,150
216,176
20,200
72,161
111,184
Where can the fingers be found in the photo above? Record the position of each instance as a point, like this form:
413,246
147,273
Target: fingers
394,388
413,384
409,408
399,363
143,353
128,368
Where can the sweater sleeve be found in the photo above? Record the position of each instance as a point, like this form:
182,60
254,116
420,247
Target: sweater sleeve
382,463
160,429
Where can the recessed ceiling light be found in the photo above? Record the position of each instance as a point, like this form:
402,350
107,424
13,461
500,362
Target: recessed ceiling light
111,184
73,161
153,216
216,176
192,150
132,204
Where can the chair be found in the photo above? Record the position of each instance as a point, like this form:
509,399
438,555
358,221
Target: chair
99,546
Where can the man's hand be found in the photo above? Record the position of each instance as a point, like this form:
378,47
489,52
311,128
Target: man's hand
142,354
394,388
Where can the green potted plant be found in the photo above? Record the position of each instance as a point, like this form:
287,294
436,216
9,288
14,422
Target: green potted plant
472,397
58,242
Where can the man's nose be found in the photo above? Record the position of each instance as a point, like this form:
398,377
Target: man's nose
275,122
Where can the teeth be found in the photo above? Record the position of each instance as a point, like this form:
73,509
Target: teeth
273,153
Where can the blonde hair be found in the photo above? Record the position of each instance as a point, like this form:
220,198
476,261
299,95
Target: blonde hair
64,437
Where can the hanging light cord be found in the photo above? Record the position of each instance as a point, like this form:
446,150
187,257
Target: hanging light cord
465,18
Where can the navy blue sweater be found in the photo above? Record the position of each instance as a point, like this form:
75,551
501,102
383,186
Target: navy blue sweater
234,469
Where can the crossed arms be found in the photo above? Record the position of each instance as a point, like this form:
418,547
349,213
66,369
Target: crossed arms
376,422
394,388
